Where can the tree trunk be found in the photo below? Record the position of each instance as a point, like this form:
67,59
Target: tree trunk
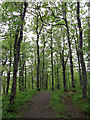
16,55
78,57
58,85
52,60
38,59
43,63
25,75
32,74
4,86
84,74
14,84
22,71
46,87
8,74
64,78
19,74
63,66
70,51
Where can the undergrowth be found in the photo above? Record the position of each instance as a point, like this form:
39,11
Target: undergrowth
82,103
11,111
57,104
75,94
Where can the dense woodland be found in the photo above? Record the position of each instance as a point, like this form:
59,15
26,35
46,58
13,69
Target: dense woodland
45,46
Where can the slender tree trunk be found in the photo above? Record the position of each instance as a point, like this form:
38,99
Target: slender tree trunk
22,71
52,60
70,51
88,64
40,81
32,81
78,57
14,84
29,83
38,59
3,63
58,86
4,89
4,86
25,75
46,81
8,74
55,76
84,74
69,80
16,55
32,75
49,83
64,78
64,75
19,74
8,81
43,63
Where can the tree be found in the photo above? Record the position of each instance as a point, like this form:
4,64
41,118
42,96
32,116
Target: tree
69,43
10,62
84,74
17,43
52,58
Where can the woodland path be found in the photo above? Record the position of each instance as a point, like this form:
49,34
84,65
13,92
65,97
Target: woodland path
39,108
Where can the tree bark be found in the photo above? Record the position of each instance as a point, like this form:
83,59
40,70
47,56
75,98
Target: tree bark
64,68
78,57
22,71
20,74
8,74
84,73
25,75
70,51
43,63
46,87
32,74
16,55
52,60
57,74
38,59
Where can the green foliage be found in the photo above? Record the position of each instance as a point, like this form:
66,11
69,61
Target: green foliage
82,103
51,13
10,111
57,104
75,94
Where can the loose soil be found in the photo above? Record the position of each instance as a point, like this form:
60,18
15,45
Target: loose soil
39,108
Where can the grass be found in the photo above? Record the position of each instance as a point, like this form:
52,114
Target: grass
75,94
57,104
82,103
11,111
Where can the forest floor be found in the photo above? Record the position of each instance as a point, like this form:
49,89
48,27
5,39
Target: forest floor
40,107
73,111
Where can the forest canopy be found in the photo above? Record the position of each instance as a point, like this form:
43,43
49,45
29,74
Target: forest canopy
44,45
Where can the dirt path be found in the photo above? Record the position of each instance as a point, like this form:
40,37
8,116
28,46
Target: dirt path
39,108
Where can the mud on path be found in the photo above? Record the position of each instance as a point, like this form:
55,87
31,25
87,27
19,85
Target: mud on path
39,108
